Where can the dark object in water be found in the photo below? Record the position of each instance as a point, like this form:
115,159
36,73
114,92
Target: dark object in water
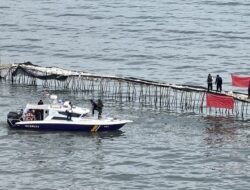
13,117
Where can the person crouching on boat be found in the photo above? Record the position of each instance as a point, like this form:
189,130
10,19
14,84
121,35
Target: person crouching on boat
98,107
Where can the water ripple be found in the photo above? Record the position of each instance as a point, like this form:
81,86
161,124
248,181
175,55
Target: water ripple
168,41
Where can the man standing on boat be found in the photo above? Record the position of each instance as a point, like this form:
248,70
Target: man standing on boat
98,107
39,113
69,111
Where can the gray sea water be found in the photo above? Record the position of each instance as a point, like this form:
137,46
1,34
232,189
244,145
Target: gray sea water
170,41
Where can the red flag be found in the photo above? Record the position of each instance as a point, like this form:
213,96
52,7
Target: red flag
220,101
240,81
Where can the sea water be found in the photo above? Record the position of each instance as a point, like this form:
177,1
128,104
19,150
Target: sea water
176,42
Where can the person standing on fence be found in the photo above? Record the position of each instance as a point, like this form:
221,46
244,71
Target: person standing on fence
209,82
218,82
249,90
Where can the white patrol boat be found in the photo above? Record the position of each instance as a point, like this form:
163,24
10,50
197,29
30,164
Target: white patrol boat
56,116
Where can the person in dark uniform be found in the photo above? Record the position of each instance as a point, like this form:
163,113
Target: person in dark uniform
94,107
69,115
69,111
218,83
40,102
98,107
249,90
39,113
209,82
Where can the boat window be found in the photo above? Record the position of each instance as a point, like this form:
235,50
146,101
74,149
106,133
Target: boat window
59,118
72,114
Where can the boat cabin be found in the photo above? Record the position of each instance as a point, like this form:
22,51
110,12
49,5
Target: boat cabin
34,112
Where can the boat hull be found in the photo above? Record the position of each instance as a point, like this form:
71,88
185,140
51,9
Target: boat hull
67,126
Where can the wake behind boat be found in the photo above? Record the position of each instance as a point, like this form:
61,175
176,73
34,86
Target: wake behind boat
57,116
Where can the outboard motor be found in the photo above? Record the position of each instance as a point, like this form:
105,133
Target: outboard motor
13,117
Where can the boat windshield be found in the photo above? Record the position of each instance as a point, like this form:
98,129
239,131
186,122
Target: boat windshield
72,114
